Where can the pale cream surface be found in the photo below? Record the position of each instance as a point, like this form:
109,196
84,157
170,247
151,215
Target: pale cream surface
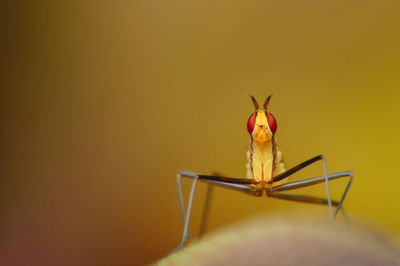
266,240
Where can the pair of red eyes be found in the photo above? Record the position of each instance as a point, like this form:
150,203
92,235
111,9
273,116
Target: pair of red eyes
271,123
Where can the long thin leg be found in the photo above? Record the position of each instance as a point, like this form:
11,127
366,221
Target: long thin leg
302,198
313,200
178,182
206,209
301,166
225,182
295,169
328,191
239,184
211,179
316,180
186,218
207,206
207,203
244,181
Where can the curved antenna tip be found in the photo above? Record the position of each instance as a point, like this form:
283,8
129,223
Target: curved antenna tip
254,102
267,102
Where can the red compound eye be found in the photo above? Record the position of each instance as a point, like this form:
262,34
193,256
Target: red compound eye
271,123
251,123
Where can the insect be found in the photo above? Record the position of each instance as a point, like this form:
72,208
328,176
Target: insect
265,171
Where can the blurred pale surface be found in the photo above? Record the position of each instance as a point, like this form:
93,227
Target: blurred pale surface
273,240
102,102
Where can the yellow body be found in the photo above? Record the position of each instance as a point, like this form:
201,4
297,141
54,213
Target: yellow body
264,157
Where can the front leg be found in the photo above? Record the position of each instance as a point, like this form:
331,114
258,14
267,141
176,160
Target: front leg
303,165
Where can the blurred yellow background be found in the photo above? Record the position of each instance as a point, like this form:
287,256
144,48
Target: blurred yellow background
103,102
